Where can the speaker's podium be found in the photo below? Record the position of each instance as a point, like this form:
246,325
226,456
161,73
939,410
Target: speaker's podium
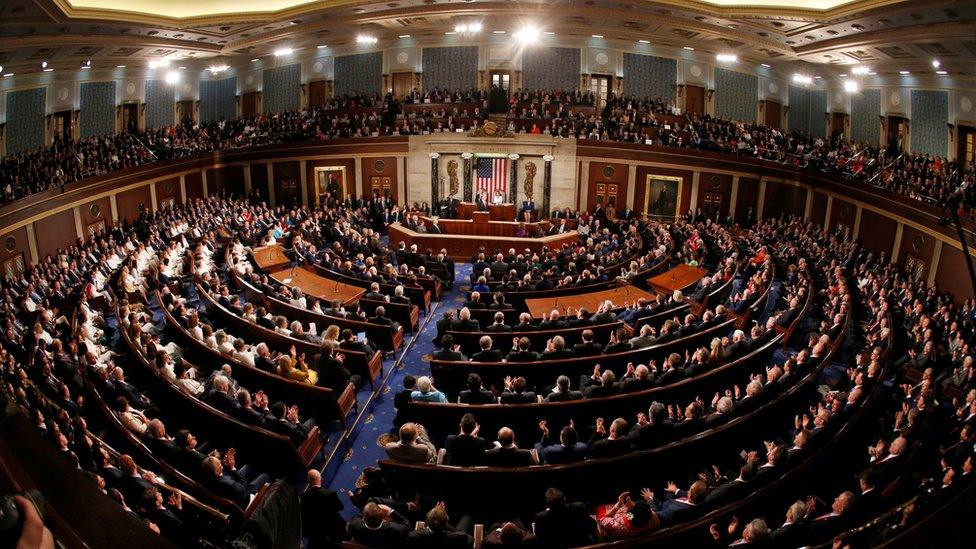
496,212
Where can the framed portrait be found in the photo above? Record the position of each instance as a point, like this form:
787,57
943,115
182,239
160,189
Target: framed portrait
661,198
96,228
914,267
14,266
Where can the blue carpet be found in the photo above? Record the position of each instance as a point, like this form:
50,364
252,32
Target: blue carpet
378,420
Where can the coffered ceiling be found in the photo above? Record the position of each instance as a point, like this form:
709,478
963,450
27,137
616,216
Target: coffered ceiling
889,35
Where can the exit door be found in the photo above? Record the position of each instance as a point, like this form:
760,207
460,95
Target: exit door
600,87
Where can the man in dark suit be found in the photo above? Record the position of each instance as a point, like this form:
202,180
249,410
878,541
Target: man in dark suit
562,392
612,442
438,532
379,317
506,453
516,393
449,351
587,347
564,524
379,526
322,522
552,322
568,450
679,506
521,353
556,349
465,449
476,393
374,293
465,323
525,324
486,354
499,324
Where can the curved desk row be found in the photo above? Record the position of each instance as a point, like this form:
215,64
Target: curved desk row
460,247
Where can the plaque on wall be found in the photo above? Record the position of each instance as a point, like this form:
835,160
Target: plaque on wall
918,242
95,210
10,243
168,186
608,172
379,166
715,181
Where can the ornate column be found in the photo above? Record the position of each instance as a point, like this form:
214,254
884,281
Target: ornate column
468,193
546,187
435,187
513,179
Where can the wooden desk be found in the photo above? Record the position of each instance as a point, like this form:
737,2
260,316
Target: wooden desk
319,286
496,212
462,239
592,300
271,258
678,278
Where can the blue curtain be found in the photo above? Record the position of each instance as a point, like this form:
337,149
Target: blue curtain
25,120
736,95
208,100
97,116
160,103
550,68
807,108
930,114
450,68
649,76
361,73
865,110
218,99
281,88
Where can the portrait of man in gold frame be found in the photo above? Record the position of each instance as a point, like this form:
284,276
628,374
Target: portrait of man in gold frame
662,196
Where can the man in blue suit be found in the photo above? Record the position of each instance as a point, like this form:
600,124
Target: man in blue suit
569,449
677,506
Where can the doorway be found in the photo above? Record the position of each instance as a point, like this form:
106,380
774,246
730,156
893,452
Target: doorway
185,111
502,80
966,144
772,114
711,204
606,195
600,88
249,103
694,100
838,124
402,84
130,116
61,126
316,93
897,133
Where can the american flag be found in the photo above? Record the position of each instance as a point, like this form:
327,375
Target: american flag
492,175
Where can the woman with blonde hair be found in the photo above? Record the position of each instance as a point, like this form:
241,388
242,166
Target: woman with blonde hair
331,335
294,369
717,354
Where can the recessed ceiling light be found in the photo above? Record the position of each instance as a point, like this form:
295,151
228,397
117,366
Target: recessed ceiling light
597,35
860,70
903,73
322,47
689,48
850,86
802,79
450,32
550,33
120,66
644,41
365,39
7,75
48,70
941,72
283,52
764,65
254,60
935,63
527,35
498,32
726,58
404,36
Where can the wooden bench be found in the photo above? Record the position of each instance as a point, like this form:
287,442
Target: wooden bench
469,341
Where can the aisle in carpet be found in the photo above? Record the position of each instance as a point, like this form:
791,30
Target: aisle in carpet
364,450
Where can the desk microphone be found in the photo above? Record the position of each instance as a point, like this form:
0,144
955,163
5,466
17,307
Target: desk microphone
336,289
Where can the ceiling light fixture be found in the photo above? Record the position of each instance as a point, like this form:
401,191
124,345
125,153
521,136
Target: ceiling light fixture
450,32
596,35
366,39
216,69
860,69
404,36
255,60
850,86
120,66
322,47
49,70
172,77
936,64
158,63
689,48
498,32
85,65
903,73
802,79
470,28
764,65
527,35
549,33
283,52
942,72
8,75
726,58
644,41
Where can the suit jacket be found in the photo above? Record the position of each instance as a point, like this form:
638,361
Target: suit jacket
464,450
508,457
447,538
321,519
391,533
491,355
568,526
557,453
448,354
470,325
477,397
522,356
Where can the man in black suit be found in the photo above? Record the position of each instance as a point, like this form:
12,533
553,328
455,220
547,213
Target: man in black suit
552,322
220,397
486,354
465,323
564,524
587,347
374,293
562,392
636,379
263,360
379,317
449,351
568,450
322,522
499,325
474,302
556,349
380,526
521,353
619,342
466,448
438,532
516,393
506,453
525,324
612,442
476,393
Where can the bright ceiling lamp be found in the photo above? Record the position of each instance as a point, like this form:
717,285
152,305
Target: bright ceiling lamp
172,77
366,39
802,79
860,69
159,63
851,86
726,58
217,69
469,28
281,52
527,35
